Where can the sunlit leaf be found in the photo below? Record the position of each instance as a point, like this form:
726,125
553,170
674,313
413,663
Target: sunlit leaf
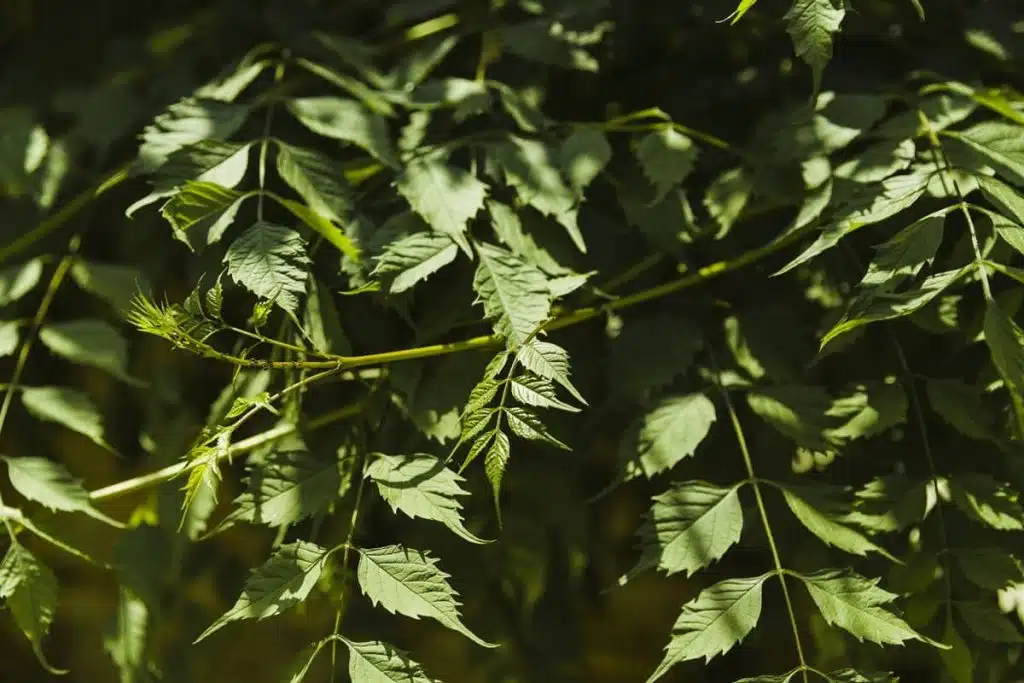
811,23
514,294
271,262
664,436
348,120
666,157
68,407
446,196
29,590
50,484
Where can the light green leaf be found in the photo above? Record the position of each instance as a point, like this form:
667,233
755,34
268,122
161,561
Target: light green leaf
67,407
8,338
317,179
869,410
664,436
347,120
283,581
495,463
514,294
986,501
447,197
533,170
986,623
689,527
89,342
530,240
907,251
322,226
666,157
187,122
408,582
201,212
811,23
375,661
878,162
30,591
799,412
550,361
414,258
851,602
115,284
1004,339
714,622
284,488
828,530
582,157
17,281
538,392
961,406
50,484
527,425
125,640
321,322
1000,143
1008,200
727,196
270,261
419,485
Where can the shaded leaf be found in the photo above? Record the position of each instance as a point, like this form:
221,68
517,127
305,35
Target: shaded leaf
1004,339
201,212
30,591
828,530
412,259
582,156
347,120
89,342
666,157
811,23
798,412
1001,145
960,405
986,501
317,179
115,284
17,281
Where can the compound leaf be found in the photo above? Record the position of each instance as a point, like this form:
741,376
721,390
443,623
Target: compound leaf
514,294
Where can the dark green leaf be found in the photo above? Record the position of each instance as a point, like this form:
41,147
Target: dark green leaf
271,262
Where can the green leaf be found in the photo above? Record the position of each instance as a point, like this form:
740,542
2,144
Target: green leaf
447,197
375,661
851,602
321,322
714,622
419,485
50,484
650,352
986,622
408,582
961,406
201,212
666,157
347,120
187,122
322,226
527,238
986,501
828,530
537,392
958,657
284,488
799,412
526,425
1001,145
582,157
8,338
113,283
317,179
870,410
270,261
301,664
689,527
495,464
990,568
907,251
283,581
664,436
514,294
1005,198
549,361
811,23
413,259
727,196
30,591
1004,338
67,407
533,170
125,641
17,281
89,342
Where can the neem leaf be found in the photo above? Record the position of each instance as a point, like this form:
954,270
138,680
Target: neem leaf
666,157
270,261
514,294
50,484
688,527
414,258
811,23
346,119
282,582
30,591
447,197
375,661
67,407
419,485
89,342
664,436
408,582
714,622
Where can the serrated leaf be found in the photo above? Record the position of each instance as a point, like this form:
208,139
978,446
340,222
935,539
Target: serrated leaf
538,392
907,251
1005,198
852,602
1001,145
689,527
408,582
1004,339
533,170
347,120
113,283
526,425
514,294
986,501
271,262
89,342
990,568
283,581
870,410
495,464
317,179
796,411
811,23
960,405
413,259
284,488
582,157
51,485
29,589
187,122
447,197
828,530
714,622
17,281
550,361
666,157
201,212
375,661
419,485
958,657
667,434
987,623
67,407
650,352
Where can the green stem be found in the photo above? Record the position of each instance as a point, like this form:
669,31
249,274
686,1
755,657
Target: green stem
339,615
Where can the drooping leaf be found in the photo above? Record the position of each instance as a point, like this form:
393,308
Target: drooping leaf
986,623
50,484
714,622
986,501
514,294
375,661
495,462
811,23
446,196
201,212
960,405
688,527
347,120
408,582
283,581
990,568
89,342
186,122
414,258
667,434
67,407
853,603
125,640
549,361
29,590
1000,143
1004,340
419,485
828,530
799,412
666,157
582,156
17,281
271,262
